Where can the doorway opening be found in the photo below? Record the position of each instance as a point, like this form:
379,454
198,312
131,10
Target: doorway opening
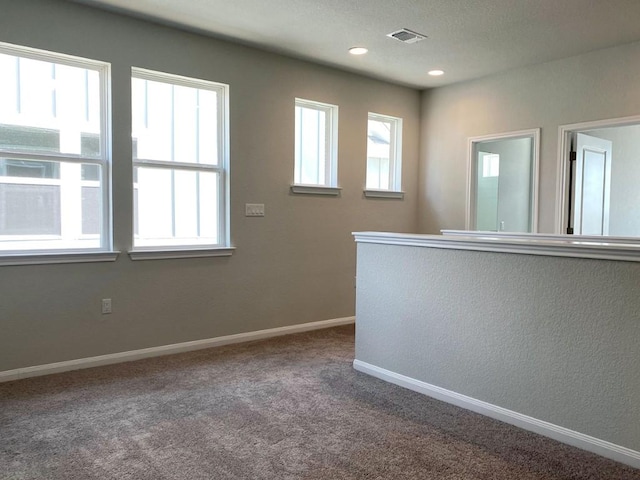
502,182
599,177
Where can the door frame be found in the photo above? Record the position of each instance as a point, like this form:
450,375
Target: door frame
565,133
534,134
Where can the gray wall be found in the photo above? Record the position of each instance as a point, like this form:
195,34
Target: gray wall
296,265
552,338
598,85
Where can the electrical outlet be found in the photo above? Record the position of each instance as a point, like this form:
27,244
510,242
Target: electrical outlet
254,209
106,306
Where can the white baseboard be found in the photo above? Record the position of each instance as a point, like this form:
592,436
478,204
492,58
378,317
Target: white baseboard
120,357
564,435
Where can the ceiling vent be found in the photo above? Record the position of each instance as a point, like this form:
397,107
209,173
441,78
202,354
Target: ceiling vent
406,36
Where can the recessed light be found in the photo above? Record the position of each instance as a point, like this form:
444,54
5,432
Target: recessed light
436,73
358,50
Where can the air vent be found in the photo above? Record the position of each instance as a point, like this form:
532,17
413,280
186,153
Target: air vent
407,36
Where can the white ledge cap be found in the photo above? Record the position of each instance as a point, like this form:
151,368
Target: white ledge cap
526,244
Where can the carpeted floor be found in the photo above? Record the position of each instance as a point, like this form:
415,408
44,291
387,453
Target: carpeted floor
286,408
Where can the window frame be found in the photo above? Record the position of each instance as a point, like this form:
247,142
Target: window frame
187,250
330,185
103,252
395,159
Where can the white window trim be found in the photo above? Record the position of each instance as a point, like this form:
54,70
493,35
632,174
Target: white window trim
50,257
184,252
374,193
395,169
315,190
330,187
72,255
223,248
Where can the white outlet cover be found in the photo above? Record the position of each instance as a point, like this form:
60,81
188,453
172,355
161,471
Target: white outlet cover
106,305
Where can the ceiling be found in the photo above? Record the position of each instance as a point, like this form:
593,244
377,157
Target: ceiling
466,38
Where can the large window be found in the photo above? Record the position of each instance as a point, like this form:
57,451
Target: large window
54,156
180,161
316,144
384,153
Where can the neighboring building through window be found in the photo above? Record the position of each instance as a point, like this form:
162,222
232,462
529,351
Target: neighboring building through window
54,160
316,144
180,161
384,157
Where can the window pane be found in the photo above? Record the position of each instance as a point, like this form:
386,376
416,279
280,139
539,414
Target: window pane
378,173
49,107
29,209
209,143
311,155
152,120
174,123
176,207
379,155
91,208
48,205
185,130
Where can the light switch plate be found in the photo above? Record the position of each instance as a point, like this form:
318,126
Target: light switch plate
254,209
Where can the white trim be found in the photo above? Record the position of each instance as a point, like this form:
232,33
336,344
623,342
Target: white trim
568,246
534,134
50,56
315,190
543,236
132,355
556,432
371,193
173,79
56,257
564,132
161,253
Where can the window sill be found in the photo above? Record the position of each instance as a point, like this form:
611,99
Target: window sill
384,194
56,257
159,253
315,190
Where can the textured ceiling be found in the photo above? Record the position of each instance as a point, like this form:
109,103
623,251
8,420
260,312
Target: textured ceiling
467,38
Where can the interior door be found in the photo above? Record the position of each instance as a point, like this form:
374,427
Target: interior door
592,185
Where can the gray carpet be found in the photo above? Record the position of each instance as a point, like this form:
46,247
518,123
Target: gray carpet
286,408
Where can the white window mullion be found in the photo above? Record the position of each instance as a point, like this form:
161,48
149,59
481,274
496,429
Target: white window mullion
328,146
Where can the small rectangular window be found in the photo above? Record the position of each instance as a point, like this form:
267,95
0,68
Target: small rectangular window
180,161
54,163
490,165
316,144
384,153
